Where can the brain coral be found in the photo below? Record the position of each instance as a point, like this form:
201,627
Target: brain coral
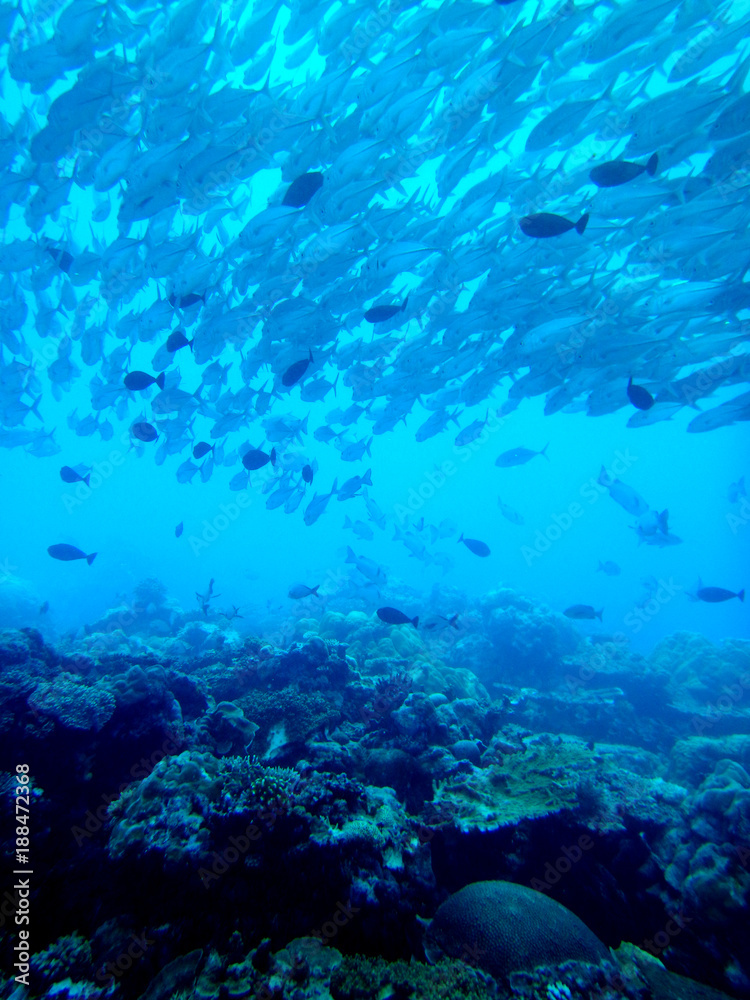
508,928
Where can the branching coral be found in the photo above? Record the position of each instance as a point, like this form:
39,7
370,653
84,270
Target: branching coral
185,800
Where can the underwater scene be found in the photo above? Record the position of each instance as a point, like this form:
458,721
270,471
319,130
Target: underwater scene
374,525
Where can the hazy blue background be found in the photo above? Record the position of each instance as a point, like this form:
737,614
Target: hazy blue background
129,520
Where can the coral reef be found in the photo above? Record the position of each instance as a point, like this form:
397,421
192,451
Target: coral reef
73,703
277,815
360,978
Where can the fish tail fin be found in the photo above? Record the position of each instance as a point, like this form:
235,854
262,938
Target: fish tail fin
348,522
35,407
663,521
461,537
190,343
404,304
367,448
604,478
415,621
582,223
741,594
350,557
652,164
160,378
314,590
273,457
86,479
599,613
266,88
90,559
453,621
335,382
309,351
544,451
367,478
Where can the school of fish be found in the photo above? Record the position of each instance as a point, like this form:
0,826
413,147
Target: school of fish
476,203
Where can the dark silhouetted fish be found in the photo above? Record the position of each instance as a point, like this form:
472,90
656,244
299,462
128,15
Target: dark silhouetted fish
178,530
616,172
300,590
318,504
185,301
67,553
307,473
62,258
392,616
519,456
69,475
44,608
639,396
474,545
144,431
176,340
142,380
581,612
715,595
302,188
542,225
379,314
256,459
202,448
295,372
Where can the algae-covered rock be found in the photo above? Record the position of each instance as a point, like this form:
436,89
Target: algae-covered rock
73,703
69,956
179,974
161,813
704,677
361,978
550,774
662,984
693,759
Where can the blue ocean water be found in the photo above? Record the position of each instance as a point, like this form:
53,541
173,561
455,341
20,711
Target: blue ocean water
131,511
521,669
130,518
